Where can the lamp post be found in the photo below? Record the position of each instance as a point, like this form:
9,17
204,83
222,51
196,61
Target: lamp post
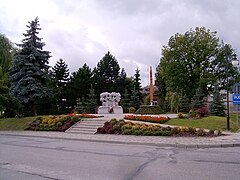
233,59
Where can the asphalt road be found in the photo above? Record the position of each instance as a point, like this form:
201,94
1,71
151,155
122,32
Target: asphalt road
29,158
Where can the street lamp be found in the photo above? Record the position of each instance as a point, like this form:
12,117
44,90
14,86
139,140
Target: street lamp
233,61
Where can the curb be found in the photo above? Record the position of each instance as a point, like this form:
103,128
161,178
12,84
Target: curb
176,145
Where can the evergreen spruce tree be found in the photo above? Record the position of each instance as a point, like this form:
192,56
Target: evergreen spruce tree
217,107
106,74
60,78
135,100
137,83
125,101
29,73
198,101
87,105
121,82
91,101
79,85
184,105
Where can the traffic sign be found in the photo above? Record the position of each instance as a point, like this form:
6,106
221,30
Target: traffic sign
236,98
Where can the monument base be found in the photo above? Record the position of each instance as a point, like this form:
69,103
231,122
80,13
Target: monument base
110,110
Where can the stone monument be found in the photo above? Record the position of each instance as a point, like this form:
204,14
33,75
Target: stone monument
110,103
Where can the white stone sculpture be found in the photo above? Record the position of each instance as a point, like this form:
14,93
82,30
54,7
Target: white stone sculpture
110,103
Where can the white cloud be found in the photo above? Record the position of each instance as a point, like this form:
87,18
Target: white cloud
134,31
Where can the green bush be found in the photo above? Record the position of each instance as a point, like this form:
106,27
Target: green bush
131,110
127,131
192,130
136,132
180,115
176,130
59,124
113,121
201,132
149,110
192,114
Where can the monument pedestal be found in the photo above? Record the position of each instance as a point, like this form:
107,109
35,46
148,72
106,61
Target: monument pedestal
103,110
106,110
117,110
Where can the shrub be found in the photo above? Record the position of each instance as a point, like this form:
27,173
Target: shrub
176,130
136,132
59,124
211,131
201,132
117,128
147,133
51,123
131,110
191,114
166,133
134,128
113,122
149,110
202,111
121,122
110,130
185,129
127,131
180,115
192,130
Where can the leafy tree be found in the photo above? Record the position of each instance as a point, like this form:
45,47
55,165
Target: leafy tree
6,56
106,74
29,73
60,78
217,107
225,73
173,99
5,62
162,89
79,85
195,59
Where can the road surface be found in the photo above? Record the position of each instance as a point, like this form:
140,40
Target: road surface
32,158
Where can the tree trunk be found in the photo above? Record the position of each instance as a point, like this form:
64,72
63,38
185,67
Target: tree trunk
34,109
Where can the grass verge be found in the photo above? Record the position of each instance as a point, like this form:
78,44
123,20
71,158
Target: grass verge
15,123
210,122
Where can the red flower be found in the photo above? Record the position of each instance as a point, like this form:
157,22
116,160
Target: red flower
149,118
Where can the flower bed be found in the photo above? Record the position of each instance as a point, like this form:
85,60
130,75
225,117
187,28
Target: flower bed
84,115
147,118
53,123
130,128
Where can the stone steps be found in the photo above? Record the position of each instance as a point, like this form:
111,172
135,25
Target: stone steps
87,126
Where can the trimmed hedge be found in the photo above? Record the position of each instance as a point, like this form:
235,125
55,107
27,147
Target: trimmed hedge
149,110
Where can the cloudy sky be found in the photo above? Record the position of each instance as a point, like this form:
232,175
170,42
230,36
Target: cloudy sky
134,31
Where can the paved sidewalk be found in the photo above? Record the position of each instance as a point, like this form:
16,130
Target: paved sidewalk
231,140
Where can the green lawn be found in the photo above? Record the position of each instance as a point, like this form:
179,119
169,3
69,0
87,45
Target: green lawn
211,122
15,123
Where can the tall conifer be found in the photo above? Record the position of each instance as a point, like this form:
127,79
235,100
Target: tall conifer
29,73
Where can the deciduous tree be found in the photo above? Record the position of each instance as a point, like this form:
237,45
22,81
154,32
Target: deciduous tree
195,59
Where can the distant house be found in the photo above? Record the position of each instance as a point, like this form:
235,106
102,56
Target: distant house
146,92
